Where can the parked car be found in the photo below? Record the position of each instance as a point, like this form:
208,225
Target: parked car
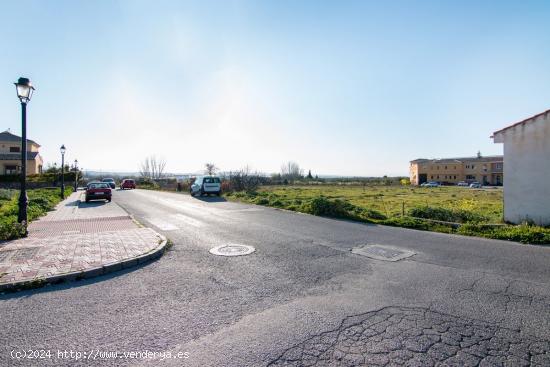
110,182
98,190
127,183
431,184
475,185
462,183
206,185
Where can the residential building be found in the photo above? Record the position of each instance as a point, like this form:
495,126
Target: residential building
527,162
10,155
486,170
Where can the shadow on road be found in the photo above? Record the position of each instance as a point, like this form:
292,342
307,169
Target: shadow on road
210,199
73,284
91,204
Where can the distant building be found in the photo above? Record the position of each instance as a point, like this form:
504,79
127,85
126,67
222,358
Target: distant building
527,161
10,155
485,170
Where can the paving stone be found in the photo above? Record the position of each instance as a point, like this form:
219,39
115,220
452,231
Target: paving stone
65,242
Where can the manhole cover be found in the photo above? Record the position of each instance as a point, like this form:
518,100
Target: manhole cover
379,252
232,250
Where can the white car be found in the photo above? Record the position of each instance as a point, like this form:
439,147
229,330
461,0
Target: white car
206,185
431,184
475,185
462,183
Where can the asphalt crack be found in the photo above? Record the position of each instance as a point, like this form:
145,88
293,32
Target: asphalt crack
413,336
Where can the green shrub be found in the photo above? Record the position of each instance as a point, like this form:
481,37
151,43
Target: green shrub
10,229
6,194
447,215
373,214
326,208
523,233
40,201
262,201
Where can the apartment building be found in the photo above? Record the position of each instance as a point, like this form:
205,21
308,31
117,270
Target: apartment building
486,170
10,155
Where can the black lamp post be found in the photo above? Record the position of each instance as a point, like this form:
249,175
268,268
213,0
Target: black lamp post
24,92
75,174
62,150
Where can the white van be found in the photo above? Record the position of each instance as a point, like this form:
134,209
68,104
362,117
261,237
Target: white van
206,185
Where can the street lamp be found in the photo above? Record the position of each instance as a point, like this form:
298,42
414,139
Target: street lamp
75,174
24,92
62,150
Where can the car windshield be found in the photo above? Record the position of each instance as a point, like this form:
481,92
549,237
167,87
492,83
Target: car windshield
129,181
98,186
211,180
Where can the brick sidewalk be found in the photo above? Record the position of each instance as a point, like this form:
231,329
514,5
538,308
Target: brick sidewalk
77,240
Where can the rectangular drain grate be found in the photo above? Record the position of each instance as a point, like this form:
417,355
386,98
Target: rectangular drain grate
379,252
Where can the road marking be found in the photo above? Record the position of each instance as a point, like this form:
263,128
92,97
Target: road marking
188,220
161,224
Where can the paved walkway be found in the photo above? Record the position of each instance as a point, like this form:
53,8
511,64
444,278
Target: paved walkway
77,240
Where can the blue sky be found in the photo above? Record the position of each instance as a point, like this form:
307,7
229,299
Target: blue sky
341,87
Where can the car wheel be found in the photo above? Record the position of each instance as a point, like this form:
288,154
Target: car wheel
87,200
219,193
202,192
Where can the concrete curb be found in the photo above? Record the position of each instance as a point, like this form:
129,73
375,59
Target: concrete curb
89,273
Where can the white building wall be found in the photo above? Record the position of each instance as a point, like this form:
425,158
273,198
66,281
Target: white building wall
527,170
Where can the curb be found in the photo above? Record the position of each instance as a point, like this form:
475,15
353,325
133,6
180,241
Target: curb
89,273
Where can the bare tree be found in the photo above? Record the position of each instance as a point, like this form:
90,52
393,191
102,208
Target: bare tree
145,168
152,167
244,180
291,171
210,169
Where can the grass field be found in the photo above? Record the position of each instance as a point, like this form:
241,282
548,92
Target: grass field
389,200
472,212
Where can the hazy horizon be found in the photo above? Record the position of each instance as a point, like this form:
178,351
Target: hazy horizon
341,88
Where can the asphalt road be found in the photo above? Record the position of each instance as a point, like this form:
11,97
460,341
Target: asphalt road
301,299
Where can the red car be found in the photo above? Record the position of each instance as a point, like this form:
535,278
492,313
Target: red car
127,184
98,190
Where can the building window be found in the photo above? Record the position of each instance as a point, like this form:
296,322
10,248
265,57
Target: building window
455,177
15,149
445,167
473,166
431,177
12,170
470,177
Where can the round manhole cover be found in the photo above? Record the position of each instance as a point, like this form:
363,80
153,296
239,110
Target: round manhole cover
232,250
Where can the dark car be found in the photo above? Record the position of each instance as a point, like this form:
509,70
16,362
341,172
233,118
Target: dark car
110,182
97,191
127,184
